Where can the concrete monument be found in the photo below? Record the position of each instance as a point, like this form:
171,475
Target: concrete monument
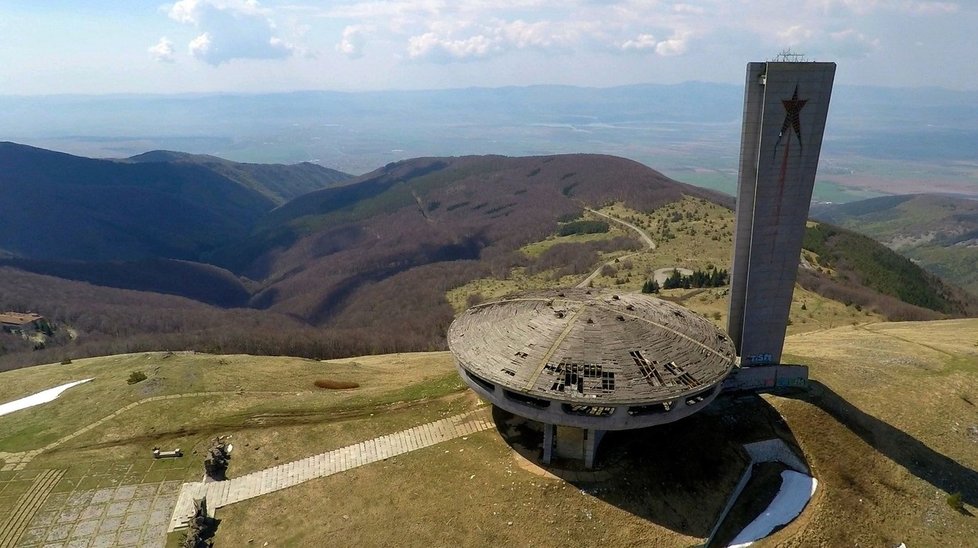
785,106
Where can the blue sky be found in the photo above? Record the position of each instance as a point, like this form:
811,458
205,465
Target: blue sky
94,46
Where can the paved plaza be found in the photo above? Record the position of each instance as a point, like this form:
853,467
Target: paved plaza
128,515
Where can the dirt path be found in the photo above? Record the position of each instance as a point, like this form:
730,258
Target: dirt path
649,245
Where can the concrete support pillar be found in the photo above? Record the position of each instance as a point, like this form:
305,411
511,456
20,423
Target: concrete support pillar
549,431
591,440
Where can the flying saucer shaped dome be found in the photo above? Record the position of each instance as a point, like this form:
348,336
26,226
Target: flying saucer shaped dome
591,347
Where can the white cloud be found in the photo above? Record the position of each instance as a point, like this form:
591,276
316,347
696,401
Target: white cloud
431,46
162,51
675,45
351,43
200,47
230,29
642,42
453,40
688,8
541,34
928,8
862,7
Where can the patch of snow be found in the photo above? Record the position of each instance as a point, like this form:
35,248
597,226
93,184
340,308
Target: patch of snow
796,490
43,396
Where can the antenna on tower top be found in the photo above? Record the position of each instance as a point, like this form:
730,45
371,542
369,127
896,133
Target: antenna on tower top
788,56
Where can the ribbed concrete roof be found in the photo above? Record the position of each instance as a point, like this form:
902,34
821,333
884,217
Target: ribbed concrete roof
591,347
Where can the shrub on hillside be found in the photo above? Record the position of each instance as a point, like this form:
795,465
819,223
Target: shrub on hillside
335,385
955,502
578,258
650,286
136,376
583,227
699,278
474,299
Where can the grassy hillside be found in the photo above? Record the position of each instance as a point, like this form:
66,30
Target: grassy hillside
845,277
938,232
888,428
855,258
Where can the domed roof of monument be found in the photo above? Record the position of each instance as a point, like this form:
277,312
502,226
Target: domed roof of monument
591,346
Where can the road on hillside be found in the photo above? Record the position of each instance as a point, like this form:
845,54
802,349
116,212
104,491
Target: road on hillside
649,245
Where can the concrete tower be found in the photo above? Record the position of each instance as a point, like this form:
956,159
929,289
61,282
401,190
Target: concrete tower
785,105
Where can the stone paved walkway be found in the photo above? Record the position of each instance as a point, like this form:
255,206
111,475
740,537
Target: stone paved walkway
123,516
27,506
293,473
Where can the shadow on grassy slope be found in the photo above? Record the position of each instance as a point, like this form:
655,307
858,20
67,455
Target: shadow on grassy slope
679,475
927,464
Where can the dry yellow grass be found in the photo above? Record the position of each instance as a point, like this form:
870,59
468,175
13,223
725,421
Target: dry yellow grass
478,491
259,396
887,432
889,428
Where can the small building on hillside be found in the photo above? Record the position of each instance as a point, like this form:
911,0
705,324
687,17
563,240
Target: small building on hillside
22,322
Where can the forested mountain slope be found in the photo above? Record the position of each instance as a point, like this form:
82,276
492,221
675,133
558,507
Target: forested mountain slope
367,266
278,182
56,206
938,232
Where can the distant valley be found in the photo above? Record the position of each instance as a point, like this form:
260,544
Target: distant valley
204,257
938,232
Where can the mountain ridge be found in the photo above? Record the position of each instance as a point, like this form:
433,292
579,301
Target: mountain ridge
279,182
175,209
371,262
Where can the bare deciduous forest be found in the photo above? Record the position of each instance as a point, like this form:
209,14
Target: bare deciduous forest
364,268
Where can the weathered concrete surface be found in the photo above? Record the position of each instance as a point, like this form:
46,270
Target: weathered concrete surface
591,358
14,526
785,106
122,516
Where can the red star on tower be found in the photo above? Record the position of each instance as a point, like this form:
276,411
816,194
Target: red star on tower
792,109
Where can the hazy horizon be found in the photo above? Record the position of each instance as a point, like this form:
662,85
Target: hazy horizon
878,140
367,82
